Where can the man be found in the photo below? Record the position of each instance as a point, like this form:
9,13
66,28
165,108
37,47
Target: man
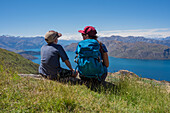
50,58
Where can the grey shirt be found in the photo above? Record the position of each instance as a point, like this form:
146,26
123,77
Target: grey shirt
50,59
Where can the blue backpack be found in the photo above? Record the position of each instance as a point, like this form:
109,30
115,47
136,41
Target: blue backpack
89,61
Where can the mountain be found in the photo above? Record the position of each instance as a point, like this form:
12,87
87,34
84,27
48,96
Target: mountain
29,54
122,47
29,57
138,50
167,38
16,43
71,47
67,42
137,47
16,62
132,39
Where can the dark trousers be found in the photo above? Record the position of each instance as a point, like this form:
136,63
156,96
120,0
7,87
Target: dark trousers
94,80
62,73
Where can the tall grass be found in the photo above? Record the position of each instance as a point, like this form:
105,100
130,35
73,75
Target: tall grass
25,94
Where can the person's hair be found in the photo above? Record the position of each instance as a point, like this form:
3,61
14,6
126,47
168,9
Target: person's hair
93,37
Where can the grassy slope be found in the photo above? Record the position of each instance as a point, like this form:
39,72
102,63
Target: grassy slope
17,62
24,94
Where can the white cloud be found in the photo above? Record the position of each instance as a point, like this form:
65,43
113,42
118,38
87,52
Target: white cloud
71,36
149,33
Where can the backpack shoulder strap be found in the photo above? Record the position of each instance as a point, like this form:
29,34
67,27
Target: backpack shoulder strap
101,49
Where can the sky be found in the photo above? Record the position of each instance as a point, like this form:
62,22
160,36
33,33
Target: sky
149,18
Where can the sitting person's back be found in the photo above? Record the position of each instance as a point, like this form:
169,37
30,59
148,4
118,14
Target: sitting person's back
93,59
50,58
50,55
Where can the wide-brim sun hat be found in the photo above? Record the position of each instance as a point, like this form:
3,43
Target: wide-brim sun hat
50,36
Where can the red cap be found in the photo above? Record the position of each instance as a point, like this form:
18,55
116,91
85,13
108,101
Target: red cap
89,30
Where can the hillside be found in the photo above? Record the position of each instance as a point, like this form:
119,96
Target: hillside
138,50
16,62
29,54
71,47
26,94
124,91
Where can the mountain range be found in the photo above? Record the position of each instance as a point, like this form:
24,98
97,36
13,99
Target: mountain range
133,47
132,39
121,47
20,43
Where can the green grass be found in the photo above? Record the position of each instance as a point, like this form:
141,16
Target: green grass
25,94
16,62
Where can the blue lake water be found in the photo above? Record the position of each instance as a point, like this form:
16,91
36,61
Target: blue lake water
155,69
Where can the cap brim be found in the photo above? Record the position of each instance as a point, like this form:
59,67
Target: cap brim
59,35
81,31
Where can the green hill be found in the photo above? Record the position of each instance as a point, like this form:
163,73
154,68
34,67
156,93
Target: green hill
26,94
16,62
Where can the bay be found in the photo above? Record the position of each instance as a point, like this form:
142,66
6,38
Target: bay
154,69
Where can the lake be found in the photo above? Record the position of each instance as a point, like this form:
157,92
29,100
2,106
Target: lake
155,69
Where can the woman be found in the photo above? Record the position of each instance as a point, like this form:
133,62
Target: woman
90,32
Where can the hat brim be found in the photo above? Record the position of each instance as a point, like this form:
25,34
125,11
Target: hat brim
81,31
59,35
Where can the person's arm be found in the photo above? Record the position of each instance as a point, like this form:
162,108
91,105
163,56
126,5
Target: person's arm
74,74
105,59
67,62
64,57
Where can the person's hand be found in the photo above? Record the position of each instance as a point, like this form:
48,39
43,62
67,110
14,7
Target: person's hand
74,74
